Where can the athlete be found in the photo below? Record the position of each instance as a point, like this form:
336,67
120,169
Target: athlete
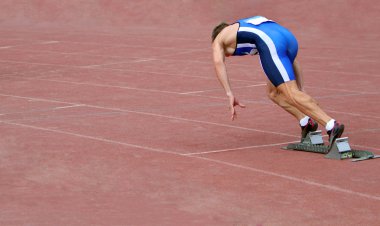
277,48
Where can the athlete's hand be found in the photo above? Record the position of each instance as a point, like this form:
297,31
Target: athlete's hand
234,102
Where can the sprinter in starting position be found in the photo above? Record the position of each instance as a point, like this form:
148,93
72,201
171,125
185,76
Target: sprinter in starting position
277,48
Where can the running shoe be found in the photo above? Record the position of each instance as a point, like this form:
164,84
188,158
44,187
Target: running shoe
311,126
335,132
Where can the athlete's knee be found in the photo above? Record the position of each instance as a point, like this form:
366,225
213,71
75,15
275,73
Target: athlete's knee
272,93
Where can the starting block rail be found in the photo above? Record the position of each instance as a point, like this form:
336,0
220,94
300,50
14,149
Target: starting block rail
340,149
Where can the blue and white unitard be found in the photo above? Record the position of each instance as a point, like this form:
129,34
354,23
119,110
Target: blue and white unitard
276,46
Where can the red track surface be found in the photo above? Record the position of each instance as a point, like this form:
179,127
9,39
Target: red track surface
111,115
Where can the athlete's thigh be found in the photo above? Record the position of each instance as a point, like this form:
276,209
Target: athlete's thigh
276,64
273,47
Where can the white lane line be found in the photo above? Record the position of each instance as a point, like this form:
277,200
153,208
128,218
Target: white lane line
49,42
94,66
90,137
343,90
6,47
158,115
69,106
194,121
354,114
107,86
236,149
157,57
252,169
366,147
294,179
38,99
208,90
208,96
342,72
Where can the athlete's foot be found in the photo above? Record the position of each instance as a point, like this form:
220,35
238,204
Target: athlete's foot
311,126
335,132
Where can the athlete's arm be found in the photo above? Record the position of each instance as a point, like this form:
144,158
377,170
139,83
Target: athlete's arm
221,73
220,66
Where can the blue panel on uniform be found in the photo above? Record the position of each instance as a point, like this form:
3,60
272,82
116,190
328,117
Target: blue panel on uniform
276,46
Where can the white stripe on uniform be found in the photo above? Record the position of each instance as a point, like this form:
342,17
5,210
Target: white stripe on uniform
272,48
242,45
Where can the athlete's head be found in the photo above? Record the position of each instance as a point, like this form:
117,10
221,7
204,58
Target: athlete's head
218,29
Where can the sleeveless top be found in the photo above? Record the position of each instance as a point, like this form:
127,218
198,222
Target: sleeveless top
244,44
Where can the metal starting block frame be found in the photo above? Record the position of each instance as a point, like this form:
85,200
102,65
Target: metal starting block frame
340,149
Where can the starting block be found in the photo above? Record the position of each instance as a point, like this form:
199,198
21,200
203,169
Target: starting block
340,149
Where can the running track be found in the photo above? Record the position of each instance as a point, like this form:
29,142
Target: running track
110,114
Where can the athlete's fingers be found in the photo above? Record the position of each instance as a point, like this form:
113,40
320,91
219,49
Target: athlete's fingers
234,102
232,109
234,115
241,105
237,103
232,112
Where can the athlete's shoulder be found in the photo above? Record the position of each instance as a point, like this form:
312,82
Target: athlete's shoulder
229,33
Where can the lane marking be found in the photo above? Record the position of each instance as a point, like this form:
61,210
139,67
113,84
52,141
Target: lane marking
161,116
90,137
252,169
69,106
236,149
6,47
208,90
95,67
294,179
366,147
48,42
173,117
208,96
107,86
343,90
36,111
157,57
354,114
